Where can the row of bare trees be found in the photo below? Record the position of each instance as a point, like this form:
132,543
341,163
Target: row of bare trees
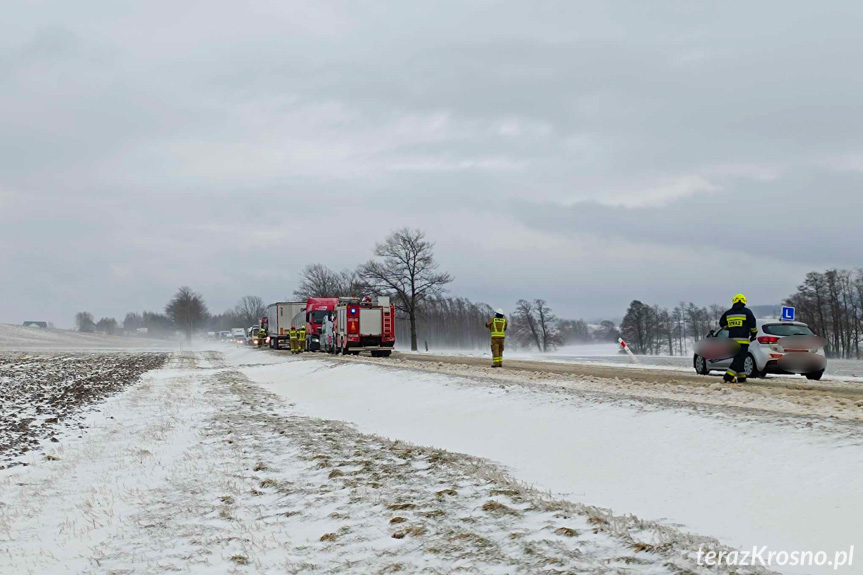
85,323
655,330
448,323
185,312
832,304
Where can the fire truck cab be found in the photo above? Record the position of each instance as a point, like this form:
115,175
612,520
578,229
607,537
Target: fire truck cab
364,324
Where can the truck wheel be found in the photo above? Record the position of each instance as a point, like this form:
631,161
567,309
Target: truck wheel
385,353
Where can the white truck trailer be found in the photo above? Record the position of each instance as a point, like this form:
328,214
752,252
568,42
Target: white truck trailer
279,316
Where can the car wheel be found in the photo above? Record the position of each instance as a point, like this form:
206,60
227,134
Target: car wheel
816,375
700,365
750,367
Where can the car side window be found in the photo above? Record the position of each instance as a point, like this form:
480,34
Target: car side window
722,333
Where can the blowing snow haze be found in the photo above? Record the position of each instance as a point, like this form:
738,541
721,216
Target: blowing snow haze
586,153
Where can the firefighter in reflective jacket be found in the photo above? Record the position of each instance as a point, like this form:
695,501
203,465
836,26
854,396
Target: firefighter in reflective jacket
301,339
262,336
292,335
497,326
742,328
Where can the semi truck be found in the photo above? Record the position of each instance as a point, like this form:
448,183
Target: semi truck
279,318
364,324
318,310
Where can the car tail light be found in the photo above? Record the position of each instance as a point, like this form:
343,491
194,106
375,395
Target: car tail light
767,339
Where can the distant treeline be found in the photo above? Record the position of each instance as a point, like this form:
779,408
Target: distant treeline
657,330
458,323
832,304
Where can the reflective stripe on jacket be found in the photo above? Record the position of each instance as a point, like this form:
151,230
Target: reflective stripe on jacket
497,325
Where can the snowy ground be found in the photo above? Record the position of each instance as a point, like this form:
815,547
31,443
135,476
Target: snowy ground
217,463
43,391
18,338
607,354
749,476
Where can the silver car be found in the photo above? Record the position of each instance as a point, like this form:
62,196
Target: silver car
766,352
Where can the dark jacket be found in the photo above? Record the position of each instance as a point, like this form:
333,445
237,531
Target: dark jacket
740,323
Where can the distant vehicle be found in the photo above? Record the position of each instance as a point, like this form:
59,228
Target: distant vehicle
225,336
41,324
364,325
238,334
768,354
253,338
279,321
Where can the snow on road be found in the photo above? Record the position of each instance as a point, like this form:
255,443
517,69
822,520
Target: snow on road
199,469
607,355
748,482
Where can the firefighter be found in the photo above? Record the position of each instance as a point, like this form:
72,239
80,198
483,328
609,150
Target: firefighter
497,326
292,335
742,328
262,336
301,338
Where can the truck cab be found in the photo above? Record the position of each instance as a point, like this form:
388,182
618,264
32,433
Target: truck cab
318,311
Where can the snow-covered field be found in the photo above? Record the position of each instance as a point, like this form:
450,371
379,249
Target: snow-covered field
41,391
241,460
18,338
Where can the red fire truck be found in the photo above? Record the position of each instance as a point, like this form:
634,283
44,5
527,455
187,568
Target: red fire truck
363,324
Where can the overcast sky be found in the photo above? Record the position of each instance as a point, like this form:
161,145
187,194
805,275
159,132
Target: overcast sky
588,153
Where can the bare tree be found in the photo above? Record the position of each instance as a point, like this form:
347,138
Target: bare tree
524,325
317,280
407,271
187,310
84,322
547,325
573,331
350,284
107,325
249,310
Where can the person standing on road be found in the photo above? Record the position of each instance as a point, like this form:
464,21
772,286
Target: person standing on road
292,335
497,326
742,328
301,338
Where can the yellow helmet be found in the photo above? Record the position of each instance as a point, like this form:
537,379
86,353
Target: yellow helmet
739,298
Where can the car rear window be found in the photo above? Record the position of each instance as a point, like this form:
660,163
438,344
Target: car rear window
785,329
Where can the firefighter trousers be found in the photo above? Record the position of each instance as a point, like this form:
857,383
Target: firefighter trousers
497,350
738,365
293,345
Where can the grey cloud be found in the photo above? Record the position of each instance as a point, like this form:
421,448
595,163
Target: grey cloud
160,146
